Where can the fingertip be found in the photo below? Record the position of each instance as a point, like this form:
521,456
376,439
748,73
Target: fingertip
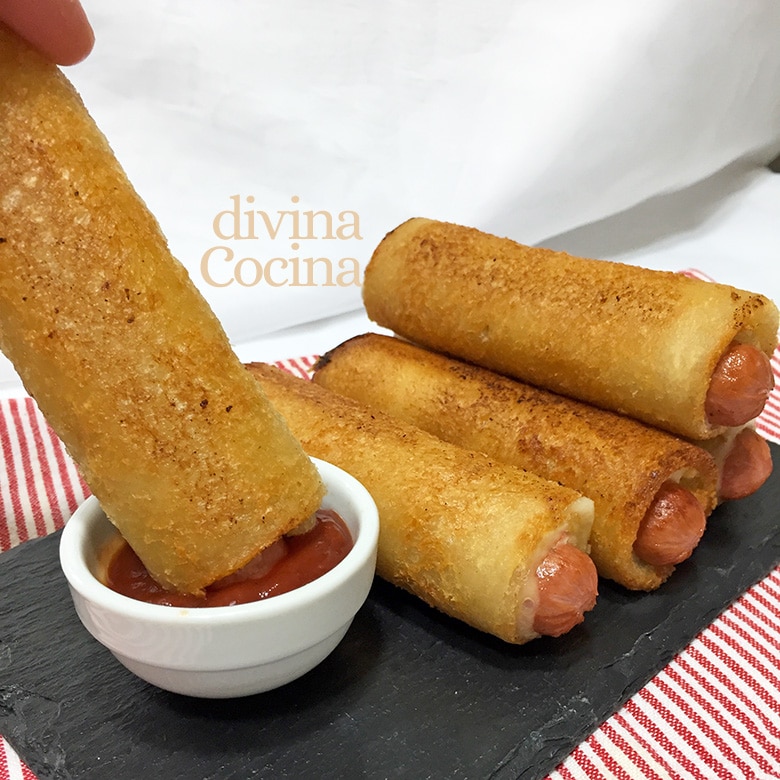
78,47
58,29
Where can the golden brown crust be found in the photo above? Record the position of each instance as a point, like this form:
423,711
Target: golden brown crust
121,352
460,531
618,462
643,343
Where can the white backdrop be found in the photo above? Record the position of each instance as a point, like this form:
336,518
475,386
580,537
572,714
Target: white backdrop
638,131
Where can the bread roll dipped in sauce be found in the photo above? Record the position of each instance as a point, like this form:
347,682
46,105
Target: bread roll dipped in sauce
681,354
487,543
127,362
294,560
744,461
652,491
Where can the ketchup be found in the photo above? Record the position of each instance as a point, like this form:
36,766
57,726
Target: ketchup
287,564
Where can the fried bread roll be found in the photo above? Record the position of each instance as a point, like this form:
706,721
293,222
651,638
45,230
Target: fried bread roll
123,355
651,490
685,355
487,543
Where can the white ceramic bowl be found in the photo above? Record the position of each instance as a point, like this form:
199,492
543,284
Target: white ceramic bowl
222,652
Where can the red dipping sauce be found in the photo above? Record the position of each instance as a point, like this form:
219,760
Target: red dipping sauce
287,564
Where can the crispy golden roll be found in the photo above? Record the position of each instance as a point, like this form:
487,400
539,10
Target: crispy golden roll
123,355
620,463
644,343
463,533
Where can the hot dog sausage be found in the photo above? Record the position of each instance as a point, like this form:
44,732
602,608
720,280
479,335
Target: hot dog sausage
739,386
568,586
746,467
671,527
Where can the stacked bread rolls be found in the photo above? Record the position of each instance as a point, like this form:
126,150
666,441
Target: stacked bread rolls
637,388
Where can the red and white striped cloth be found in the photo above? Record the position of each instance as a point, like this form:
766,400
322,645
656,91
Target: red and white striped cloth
39,485
713,713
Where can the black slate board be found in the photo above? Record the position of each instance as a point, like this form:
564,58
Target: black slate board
408,693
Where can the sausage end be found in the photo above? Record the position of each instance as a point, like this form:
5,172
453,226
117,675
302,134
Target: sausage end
671,528
568,587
